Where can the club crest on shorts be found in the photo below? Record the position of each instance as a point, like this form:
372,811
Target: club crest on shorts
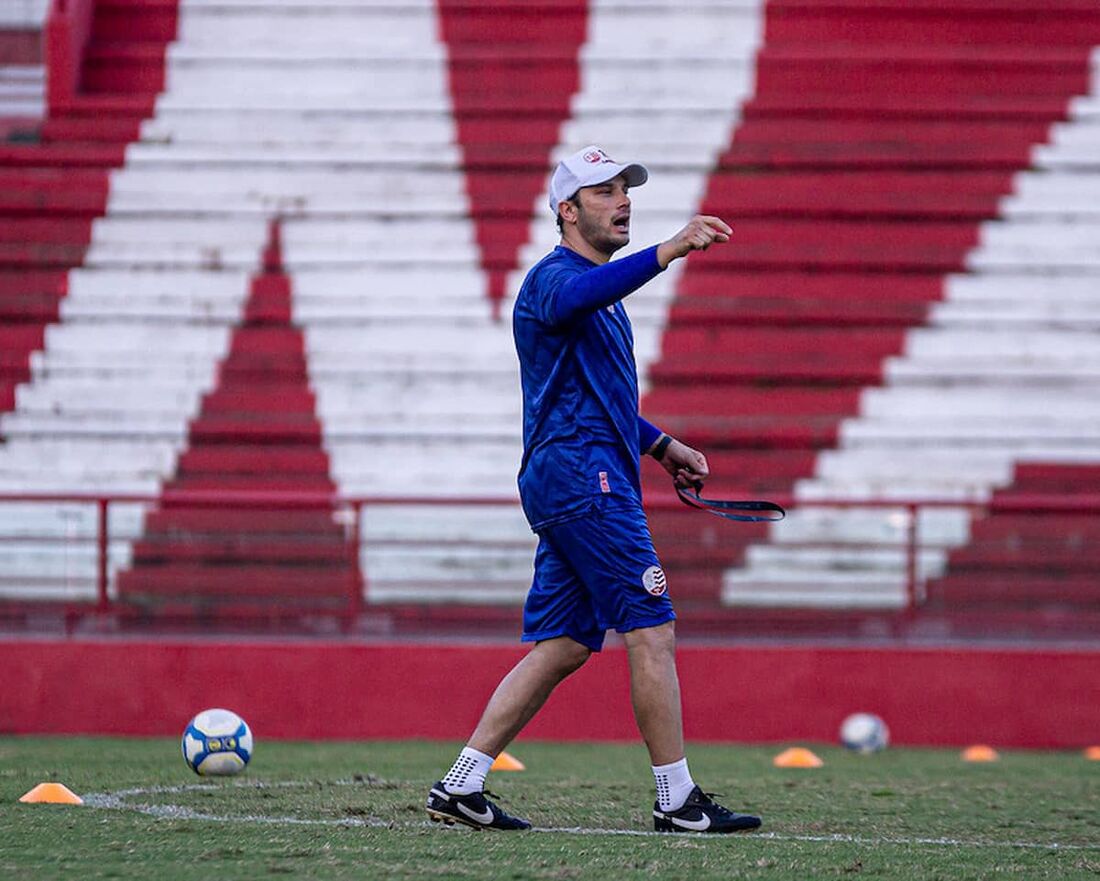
653,580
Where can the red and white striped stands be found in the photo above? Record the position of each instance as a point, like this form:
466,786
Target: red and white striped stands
906,312
1024,570
869,171
256,431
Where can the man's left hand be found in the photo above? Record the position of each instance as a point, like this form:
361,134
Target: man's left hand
687,466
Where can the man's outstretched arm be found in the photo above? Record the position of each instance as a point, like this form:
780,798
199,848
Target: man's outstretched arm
594,289
588,291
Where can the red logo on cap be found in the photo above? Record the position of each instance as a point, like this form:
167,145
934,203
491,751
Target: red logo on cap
596,157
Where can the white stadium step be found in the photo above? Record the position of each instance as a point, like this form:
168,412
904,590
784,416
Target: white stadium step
783,561
24,14
884,526
850,590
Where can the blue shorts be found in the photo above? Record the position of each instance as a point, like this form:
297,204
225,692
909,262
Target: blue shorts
594,573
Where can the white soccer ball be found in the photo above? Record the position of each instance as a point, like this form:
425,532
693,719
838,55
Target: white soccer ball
217,743
864,733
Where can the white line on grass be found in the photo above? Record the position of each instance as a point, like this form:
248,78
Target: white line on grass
119,800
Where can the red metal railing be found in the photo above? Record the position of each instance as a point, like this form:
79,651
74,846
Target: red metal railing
353,508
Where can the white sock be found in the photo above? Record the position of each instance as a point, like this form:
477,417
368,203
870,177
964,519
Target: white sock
674,784
468,772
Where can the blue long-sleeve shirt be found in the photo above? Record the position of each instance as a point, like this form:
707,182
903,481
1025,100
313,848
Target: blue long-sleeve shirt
582,435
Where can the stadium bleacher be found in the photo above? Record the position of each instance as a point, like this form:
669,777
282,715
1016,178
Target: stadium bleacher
869,173
267,245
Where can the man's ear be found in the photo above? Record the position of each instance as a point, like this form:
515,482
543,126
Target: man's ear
567,210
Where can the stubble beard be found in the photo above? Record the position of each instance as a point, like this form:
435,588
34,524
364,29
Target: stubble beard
603,240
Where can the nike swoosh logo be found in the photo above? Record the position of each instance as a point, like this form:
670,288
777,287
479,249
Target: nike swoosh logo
694,825
485,817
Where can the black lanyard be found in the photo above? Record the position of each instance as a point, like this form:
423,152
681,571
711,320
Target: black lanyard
721,508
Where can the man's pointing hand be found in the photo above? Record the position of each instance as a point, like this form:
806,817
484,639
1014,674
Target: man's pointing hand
701,232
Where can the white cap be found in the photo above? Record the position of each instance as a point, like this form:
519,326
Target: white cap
589,167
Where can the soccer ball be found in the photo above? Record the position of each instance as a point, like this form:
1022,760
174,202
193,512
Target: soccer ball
864,733
217,743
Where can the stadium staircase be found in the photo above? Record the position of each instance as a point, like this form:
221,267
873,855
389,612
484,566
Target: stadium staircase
256,432
52,190
838,352
512,70
1024,571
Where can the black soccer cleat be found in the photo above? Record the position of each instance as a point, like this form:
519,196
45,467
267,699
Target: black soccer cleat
473,810
701,813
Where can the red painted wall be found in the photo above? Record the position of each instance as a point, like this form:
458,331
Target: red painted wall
343,690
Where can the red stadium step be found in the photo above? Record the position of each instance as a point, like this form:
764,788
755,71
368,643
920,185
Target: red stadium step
1021,529
754,402
838,194
1066,479
748,311
48,180
1051,555
47,230
270,481
243,459
18,204
260,401
255,433
124,68
21,46
912,106
189,519
134,21
245,428
1008,589
703,289
945,73
93,130
230,549
1069,24
41,308
751,343
504,83
205,582
61,155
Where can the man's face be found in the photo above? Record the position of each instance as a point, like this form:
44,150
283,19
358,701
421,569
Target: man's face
603,215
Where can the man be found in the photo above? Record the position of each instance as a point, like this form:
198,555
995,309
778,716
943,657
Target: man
595,567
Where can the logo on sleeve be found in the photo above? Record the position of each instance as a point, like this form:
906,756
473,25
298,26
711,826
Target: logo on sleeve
605,487
653,580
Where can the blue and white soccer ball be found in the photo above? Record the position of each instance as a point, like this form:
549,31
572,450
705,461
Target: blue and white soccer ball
217,743
864,733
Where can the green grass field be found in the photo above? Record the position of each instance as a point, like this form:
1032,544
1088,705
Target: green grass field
355,810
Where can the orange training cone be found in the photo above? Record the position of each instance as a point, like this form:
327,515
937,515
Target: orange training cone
797,757
980,753
1093,753
506,762
53,794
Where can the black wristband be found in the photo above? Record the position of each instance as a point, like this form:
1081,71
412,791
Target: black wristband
658,452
